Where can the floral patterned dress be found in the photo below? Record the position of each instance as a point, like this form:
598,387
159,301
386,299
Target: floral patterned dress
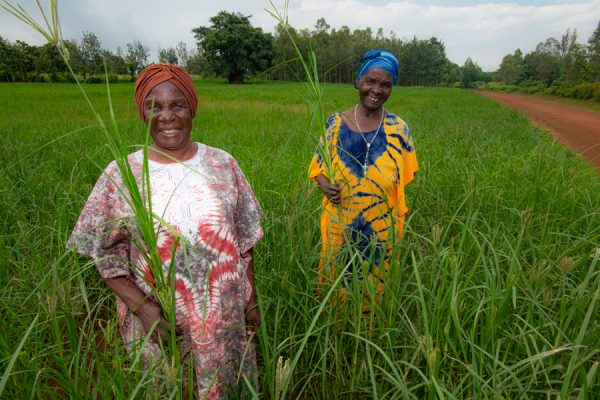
208,212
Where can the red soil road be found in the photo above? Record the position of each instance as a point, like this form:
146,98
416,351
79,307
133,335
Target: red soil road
575,128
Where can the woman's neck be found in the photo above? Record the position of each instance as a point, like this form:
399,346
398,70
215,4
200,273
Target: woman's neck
367,113
364,119
166,156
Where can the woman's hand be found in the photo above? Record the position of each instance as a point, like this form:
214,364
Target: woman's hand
252,316
251,309
149,312
333,192
146,310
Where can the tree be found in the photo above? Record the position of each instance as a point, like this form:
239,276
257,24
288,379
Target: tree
233,47
49,60
22,58
511,68
115,62
183,55
167,56
422,62
91,54
544,63
7,72
567,42
594,54
196,64
470,73
452,73
137,57
575,68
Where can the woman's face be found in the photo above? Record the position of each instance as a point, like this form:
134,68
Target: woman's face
171,117
374,88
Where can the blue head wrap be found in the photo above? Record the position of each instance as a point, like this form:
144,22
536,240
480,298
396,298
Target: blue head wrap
379,59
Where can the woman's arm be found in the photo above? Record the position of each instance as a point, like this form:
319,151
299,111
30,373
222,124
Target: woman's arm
146,310
332,192
251,309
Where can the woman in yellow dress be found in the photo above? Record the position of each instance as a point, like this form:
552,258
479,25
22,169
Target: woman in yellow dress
371,158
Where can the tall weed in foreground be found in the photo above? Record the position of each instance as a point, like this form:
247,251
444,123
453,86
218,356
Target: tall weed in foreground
137,194
279,380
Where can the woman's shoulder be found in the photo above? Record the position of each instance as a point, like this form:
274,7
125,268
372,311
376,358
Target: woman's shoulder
397,130
215,156
333,119
393,119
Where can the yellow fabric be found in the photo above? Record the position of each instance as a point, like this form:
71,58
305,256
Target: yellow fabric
373,202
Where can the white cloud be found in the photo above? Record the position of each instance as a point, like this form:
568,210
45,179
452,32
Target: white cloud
485,31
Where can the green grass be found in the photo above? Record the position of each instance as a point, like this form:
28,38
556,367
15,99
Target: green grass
494,293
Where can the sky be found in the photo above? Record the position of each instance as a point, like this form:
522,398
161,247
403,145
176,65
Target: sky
484,30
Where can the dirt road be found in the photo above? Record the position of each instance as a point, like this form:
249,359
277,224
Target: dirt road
577,129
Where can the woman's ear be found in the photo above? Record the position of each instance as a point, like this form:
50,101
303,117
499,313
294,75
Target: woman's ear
356,84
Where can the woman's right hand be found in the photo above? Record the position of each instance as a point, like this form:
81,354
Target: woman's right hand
146,310
149,312
333,192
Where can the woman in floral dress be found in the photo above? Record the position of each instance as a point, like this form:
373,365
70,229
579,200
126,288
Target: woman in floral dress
207,221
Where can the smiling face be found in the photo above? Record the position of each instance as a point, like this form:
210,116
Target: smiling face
171,118
374,88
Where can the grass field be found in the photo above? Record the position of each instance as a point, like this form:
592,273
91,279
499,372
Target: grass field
494,294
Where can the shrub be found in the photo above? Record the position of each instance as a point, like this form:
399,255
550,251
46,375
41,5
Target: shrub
37,77
597,92
94,79
61,77
531,86
585,90
496,86
567,91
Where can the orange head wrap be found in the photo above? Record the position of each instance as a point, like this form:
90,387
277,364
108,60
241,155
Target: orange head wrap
156,74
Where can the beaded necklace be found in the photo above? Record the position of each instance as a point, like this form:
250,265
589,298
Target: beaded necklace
365,166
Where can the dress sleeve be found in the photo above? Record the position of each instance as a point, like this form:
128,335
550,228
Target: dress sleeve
317,166
408,167
100,232
248,212
409,157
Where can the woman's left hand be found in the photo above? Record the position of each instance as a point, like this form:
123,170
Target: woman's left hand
252,316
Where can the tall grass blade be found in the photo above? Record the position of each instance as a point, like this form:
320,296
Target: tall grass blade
15,355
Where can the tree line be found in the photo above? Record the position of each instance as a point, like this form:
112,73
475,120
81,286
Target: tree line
232,48
20,62
561,66
339,51
554,61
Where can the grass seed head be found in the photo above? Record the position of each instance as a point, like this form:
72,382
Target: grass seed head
566,264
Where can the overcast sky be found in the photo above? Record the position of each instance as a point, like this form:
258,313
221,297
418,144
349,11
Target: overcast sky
482,30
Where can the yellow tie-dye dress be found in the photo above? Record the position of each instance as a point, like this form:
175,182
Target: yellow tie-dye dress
370,217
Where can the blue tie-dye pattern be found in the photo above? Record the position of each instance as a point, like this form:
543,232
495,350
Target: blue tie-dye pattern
361,234
405,145
352,148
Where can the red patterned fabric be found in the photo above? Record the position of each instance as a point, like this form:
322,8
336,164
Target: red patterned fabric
209,203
